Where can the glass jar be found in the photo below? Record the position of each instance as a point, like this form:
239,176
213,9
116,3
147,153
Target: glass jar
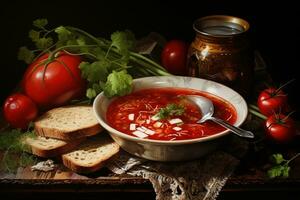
221,52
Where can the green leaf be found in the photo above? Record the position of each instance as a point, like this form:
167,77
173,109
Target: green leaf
96,71
13,145
118,84
279,171
277,158
40,23
98,52
124,41
25,55
97,87
63,34
14,140
9,138
91,93
285,171
34,35
44,43
275,171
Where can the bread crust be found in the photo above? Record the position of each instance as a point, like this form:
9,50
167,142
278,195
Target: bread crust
73,135
81,169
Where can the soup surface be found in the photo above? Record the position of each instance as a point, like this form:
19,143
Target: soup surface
165,114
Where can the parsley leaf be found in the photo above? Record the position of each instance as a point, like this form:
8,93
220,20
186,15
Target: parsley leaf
63,34
40,23
44,43
96,71
91,93
118,84
170,110
34,35
279,170
96,89
123,41
13,140
277,158
281,167
25,55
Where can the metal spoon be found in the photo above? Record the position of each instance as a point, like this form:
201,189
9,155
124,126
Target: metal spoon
207,110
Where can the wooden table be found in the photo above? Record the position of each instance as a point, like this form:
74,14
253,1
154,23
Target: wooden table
249,181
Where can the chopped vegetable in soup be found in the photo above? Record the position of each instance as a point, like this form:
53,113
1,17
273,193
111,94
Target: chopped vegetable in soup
165,114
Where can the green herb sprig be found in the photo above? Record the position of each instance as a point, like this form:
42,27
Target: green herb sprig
170,110
108,65
15,150
281,166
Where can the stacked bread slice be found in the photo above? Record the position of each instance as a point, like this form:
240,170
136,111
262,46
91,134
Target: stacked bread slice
71,132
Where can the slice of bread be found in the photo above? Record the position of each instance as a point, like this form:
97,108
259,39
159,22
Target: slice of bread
91,155
49,147
68,123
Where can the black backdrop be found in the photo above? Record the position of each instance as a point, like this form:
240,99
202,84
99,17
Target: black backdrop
274,27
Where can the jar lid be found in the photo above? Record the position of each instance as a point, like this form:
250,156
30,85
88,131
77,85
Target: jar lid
221,26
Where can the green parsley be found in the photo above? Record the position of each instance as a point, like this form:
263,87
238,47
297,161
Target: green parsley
107,65
40,23
26,55
118,83
170,110
14,150
281,166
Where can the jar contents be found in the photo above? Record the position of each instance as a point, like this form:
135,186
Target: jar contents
221,30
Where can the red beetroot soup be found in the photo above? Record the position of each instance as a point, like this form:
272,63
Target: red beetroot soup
165,114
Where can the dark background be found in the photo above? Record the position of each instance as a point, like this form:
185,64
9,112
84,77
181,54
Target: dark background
274,28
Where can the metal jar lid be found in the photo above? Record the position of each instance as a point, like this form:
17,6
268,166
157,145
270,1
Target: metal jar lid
221,26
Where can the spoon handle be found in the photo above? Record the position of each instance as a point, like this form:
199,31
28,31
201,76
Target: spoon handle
234,129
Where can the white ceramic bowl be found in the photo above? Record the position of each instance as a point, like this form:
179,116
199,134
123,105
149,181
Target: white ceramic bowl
172,150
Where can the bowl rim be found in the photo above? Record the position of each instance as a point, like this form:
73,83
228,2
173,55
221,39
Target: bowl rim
113,131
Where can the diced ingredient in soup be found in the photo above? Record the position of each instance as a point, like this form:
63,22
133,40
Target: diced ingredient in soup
166,114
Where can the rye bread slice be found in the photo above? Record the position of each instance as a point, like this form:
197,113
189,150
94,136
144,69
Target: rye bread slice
91,155
50,147
68,123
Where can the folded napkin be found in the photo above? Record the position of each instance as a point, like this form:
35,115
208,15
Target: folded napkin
200,179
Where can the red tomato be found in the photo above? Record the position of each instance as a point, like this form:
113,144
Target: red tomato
19,110
280,128
173,57
271,101
56,83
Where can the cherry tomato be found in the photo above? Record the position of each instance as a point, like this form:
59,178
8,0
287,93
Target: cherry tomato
280,128
272,101
19,110
55,83
173,57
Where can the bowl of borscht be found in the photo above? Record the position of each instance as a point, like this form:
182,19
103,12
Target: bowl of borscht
157,122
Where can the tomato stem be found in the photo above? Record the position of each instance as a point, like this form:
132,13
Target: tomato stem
283,86
284,119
